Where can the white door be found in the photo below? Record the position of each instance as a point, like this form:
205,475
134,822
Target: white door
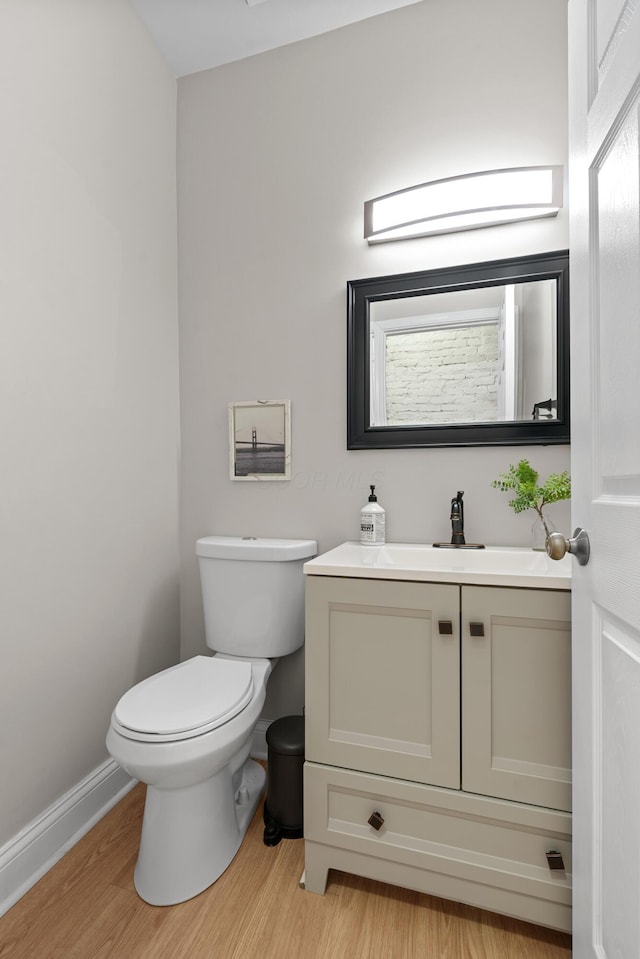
604,72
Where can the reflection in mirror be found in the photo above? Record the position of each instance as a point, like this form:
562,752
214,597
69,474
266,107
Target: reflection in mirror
472,356
469,355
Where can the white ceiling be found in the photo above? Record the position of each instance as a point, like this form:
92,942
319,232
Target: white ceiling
195,35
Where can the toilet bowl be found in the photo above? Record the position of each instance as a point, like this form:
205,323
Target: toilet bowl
202,789
187,732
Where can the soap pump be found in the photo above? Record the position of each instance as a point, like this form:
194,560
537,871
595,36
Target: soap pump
372,521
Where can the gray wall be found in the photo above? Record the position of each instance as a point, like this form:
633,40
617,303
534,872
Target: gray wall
276,156
537,303
88,386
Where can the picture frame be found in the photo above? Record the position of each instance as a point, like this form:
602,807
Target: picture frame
260,440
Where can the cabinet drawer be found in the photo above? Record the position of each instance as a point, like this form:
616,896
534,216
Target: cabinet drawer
470,839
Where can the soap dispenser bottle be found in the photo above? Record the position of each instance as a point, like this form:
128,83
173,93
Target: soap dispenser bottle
372,521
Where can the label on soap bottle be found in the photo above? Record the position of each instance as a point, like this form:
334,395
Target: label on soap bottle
372,528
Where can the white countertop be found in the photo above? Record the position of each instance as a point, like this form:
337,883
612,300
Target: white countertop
492,566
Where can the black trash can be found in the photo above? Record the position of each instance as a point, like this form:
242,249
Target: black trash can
285,759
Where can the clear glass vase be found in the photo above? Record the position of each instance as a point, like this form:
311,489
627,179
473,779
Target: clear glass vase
540,529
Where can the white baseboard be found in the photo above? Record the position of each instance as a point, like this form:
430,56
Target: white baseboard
29,855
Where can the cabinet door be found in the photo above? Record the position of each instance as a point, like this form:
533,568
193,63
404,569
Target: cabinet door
382,663
516,695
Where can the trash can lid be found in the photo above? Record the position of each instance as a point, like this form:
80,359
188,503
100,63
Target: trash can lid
286,736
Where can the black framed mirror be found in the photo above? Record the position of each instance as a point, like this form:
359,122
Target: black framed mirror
472,355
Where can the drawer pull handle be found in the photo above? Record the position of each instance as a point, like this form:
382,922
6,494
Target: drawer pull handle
445,627
555,860
476,629
375,820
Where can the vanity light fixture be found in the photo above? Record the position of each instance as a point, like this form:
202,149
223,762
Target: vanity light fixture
466,202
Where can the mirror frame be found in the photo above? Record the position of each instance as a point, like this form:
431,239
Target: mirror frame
362,293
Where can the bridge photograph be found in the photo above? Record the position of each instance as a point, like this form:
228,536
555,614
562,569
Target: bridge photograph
260,439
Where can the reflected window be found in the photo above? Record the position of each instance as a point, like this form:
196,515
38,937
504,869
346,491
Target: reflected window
481,356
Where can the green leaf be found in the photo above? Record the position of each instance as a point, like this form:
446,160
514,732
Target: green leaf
523,481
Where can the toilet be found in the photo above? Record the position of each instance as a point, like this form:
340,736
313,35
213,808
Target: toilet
187,732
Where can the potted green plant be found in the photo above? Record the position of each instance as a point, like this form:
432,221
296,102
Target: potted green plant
523,481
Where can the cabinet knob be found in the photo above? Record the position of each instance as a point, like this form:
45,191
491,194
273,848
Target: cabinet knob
445,627
555,860
476,629
375,820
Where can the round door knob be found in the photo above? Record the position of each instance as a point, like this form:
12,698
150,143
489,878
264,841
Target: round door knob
557,545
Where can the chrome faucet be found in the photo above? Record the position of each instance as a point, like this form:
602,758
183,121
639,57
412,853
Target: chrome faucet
457,520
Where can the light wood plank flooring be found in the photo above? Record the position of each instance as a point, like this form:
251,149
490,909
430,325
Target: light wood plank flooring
86,908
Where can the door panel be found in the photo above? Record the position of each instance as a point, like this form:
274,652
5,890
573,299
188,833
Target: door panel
516,695
382,681
616,860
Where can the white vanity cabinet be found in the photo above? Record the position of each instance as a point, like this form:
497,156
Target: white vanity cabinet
438,739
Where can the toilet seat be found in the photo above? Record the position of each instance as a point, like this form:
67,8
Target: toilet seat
186,700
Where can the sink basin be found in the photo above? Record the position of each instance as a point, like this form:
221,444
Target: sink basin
492,566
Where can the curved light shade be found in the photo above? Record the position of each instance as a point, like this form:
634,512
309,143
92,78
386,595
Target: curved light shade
466,202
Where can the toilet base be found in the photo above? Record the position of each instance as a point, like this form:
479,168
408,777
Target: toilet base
190,835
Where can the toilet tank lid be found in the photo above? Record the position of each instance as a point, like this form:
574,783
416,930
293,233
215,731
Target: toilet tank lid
256,548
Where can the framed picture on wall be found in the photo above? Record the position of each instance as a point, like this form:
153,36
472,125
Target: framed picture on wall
260,440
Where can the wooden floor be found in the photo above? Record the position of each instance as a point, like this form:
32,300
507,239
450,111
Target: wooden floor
86,908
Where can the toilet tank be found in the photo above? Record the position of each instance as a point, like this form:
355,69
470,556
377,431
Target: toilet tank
253,594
